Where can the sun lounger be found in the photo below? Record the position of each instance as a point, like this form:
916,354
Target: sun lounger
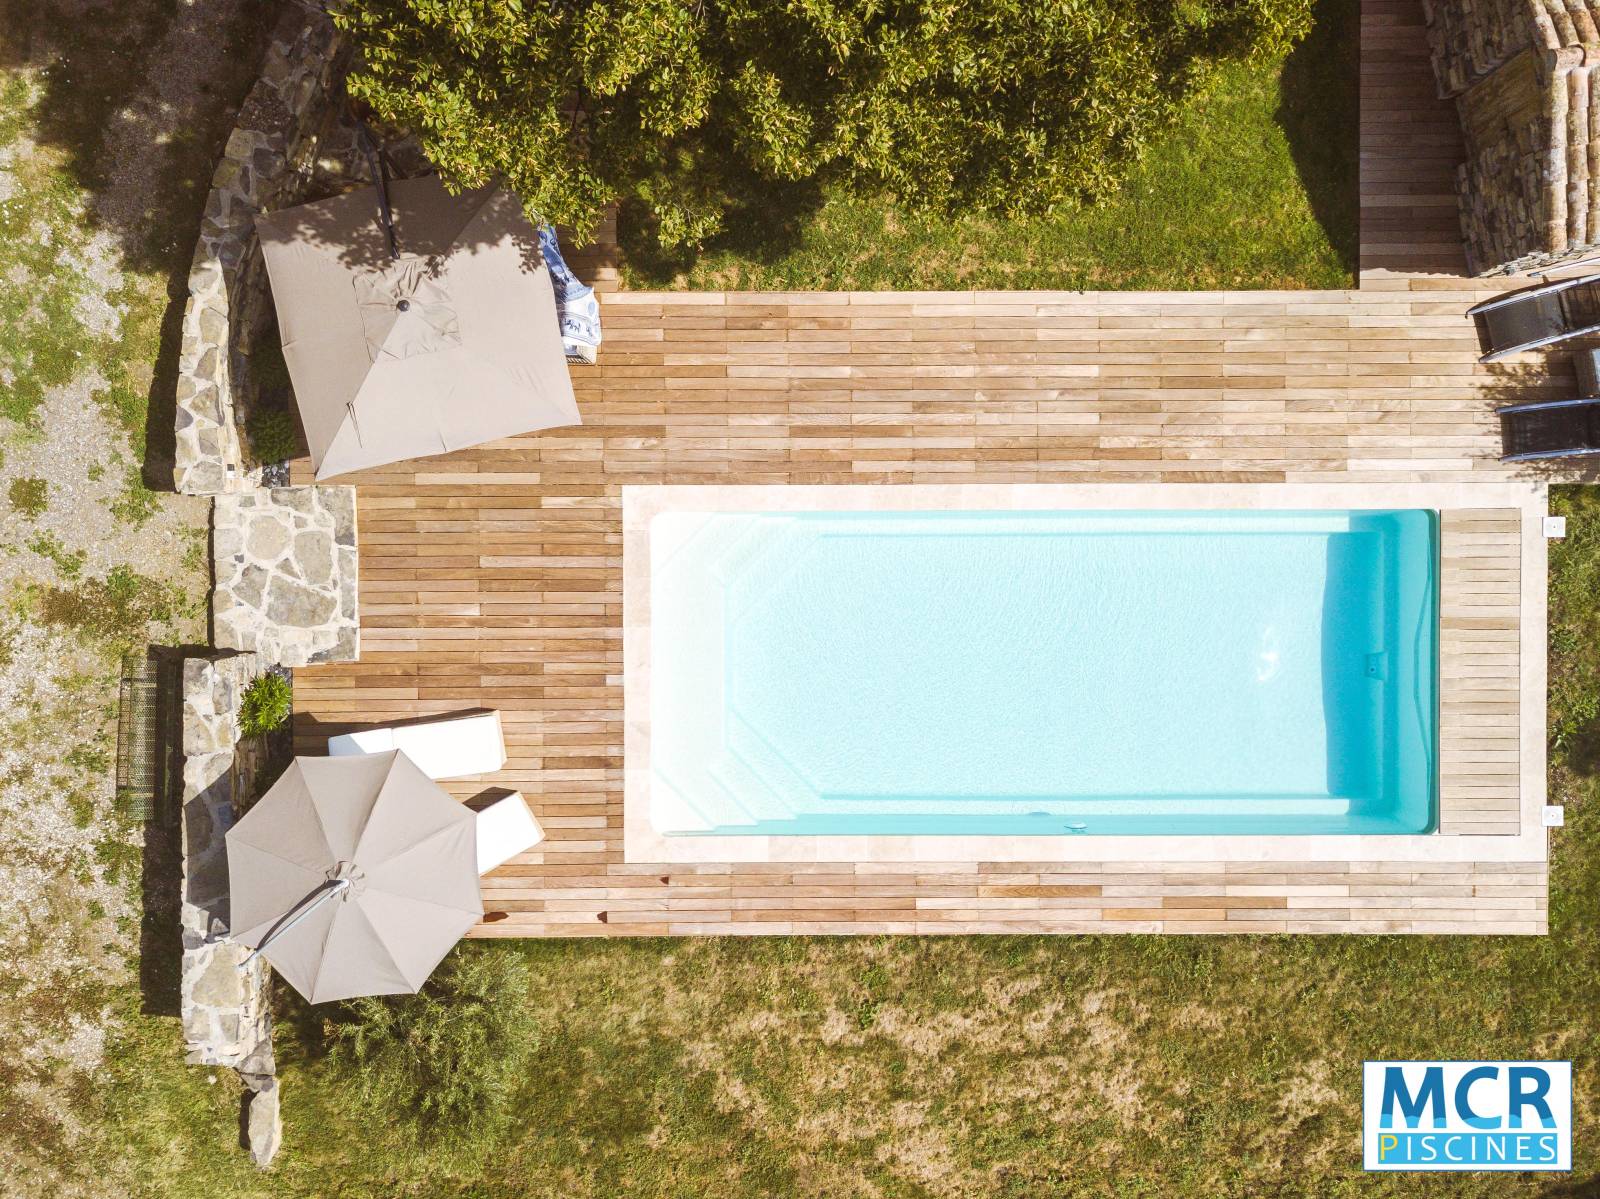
1550,429
442,749
1537,316
505,828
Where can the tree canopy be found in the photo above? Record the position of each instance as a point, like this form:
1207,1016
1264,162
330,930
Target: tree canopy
682,106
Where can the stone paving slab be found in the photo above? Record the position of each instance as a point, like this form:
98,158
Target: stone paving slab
285,562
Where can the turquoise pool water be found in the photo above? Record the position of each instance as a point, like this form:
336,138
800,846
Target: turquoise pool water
1072,673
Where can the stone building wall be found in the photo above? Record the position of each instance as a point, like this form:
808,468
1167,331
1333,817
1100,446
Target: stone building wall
223,1004
1523,77
267,162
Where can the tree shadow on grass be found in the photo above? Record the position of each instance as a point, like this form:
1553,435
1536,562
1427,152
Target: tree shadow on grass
1319,111
764,223
137,98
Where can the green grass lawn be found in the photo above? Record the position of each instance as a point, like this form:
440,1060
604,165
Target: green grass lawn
1253,187
972,1066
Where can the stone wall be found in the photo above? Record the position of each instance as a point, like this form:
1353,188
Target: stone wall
1523,75
268,160
224,1008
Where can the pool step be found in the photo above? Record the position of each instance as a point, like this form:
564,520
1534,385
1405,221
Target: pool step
776,790
753,566
698,804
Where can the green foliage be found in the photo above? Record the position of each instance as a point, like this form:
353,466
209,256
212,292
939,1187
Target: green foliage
271,432
267,702
1235,193
68,562
1007,107
29,496
272,435
137,503
448,1060
115,611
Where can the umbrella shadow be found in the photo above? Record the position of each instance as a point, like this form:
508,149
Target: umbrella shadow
351,228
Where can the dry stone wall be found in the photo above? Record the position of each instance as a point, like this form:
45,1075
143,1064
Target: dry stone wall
223,1003
1523,75
269,157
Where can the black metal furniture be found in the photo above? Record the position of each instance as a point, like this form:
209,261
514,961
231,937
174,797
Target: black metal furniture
1550,429
1537,316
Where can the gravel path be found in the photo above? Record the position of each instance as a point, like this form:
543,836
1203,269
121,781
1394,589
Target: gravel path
108,130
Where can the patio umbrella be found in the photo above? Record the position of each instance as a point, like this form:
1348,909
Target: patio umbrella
354,875
451,340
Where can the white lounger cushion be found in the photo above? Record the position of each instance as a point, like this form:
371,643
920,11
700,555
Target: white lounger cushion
442,749
505,829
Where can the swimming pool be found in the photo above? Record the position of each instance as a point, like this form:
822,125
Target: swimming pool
1052,672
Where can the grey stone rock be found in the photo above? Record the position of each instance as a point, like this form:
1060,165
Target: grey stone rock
205,477
213,326
346,647
295,499
208,879
347,593
340,504
197,824
259,1065
220,984
298,606
265,1124
251,586
226,541
266,539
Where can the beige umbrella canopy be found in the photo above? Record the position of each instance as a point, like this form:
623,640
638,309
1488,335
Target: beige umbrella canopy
454,342
354,876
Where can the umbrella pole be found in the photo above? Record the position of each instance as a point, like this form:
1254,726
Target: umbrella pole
377,164
298,913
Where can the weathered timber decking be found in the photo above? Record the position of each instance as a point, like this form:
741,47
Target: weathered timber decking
492,577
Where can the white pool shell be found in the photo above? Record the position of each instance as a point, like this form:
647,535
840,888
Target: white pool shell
644,843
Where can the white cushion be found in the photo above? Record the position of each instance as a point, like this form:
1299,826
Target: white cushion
505,829
442,749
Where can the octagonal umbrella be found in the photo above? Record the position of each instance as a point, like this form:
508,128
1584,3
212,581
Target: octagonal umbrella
354,876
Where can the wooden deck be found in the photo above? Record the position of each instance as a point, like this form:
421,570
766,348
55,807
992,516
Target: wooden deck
492,577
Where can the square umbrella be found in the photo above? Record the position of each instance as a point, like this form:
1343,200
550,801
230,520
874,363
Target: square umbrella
453,342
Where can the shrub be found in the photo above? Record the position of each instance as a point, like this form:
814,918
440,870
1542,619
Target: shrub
1000,106
448,1060
272,435
266,704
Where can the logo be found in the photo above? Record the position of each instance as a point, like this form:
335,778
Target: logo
1466,1115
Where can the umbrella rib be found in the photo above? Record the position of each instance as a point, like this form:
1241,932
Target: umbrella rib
383,787
378,938
300,910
